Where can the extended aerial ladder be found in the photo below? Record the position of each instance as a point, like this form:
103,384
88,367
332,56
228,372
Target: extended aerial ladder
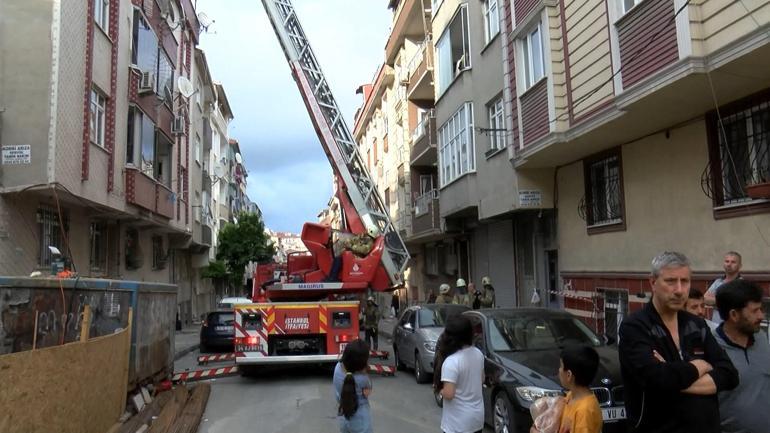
362,205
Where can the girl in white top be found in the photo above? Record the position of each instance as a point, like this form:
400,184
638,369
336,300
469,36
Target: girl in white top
459,375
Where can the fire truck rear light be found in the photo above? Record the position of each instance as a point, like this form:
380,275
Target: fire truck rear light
250,341
345,338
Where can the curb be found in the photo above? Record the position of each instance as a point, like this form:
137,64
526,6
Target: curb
185,351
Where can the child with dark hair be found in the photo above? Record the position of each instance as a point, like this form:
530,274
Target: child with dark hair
352,388
581,413
459,373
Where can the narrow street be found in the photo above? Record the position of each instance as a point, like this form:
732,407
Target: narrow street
300,399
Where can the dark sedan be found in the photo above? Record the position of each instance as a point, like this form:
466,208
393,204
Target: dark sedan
217,331
521,349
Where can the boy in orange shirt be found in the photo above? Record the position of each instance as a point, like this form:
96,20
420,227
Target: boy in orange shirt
581,413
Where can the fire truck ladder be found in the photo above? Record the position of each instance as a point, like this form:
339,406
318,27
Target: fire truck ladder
334,134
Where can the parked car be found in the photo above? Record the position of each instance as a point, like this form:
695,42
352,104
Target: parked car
415,336
521,349
229,302
217,331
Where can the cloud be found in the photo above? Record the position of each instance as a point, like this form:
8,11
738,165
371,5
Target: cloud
289,175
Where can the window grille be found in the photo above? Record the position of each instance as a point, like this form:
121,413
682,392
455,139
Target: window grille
50,234
603,202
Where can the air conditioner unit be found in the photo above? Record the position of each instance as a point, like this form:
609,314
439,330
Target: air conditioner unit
177,125
147,82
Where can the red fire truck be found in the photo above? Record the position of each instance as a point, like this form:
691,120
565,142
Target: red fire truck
308,315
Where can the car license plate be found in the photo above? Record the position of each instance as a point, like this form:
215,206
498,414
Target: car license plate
614,413
246,348
224,328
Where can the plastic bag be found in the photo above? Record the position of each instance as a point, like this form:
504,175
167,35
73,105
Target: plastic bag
546,413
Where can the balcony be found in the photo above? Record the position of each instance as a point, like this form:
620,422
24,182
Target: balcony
424,139
408,23
426,219
146,193
206,235
420,72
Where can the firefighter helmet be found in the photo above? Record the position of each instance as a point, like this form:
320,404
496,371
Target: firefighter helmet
486,281
373,232
460,282
444,289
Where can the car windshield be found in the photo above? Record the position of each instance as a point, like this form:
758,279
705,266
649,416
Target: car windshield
536,332
436,316
221,319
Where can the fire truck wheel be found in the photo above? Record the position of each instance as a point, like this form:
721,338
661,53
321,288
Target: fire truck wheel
399,363
419,373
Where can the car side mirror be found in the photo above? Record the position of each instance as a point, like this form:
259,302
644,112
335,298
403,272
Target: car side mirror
408,326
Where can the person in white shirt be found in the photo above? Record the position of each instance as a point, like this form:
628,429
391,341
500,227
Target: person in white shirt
459,376
732,266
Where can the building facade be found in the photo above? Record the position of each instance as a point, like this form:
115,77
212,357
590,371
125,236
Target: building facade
102,157
654,139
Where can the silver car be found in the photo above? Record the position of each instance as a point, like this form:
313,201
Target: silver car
415,336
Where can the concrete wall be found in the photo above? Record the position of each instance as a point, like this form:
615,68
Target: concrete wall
665,209
588,44
494,257
26,85
716,23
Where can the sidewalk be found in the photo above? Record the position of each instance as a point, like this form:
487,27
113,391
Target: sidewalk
187,340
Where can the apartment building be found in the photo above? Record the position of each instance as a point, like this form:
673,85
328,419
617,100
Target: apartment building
652,117
100,146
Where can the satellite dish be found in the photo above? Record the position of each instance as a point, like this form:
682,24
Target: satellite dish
218,171
238,158
184,86
204,21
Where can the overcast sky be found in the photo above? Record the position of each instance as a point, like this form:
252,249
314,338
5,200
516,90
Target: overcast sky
289,175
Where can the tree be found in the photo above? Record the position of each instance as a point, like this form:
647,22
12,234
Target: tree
243,242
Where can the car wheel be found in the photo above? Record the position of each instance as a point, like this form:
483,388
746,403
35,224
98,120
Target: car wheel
399,364
419,373
502,418
438,398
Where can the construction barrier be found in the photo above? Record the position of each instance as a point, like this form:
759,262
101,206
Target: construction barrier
382,354
210,373
384,370
205,359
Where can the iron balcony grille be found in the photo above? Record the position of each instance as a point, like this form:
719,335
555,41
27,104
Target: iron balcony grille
602,204
743,139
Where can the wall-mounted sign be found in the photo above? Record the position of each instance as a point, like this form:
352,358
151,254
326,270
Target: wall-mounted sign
530,198
17,154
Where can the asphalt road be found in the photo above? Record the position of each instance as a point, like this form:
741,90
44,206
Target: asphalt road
301,400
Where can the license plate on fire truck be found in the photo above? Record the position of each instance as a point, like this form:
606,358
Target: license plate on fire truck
246,348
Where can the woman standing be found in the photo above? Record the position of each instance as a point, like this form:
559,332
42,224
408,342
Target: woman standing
352,388
461,368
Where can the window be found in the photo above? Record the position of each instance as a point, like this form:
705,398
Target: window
98,104
743,150
457,150
50,233
198,207
158,255
199,88
144,49
496,125
533,63
374,151
165,78
387,199
102,14
197,148
140,148
431,260
604,192
491,20
98,238
453,50
628,4
163,148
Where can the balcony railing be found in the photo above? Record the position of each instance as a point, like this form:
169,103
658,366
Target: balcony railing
149,194
164,201
426,213
422,126
417,58
424,140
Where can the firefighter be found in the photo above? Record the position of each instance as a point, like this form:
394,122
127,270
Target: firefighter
487,297
371,322
461,293
359,244
444,297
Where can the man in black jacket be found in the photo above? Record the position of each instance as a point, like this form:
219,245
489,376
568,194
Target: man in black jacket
671,364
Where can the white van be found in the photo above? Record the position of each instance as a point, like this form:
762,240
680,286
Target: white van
229,302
